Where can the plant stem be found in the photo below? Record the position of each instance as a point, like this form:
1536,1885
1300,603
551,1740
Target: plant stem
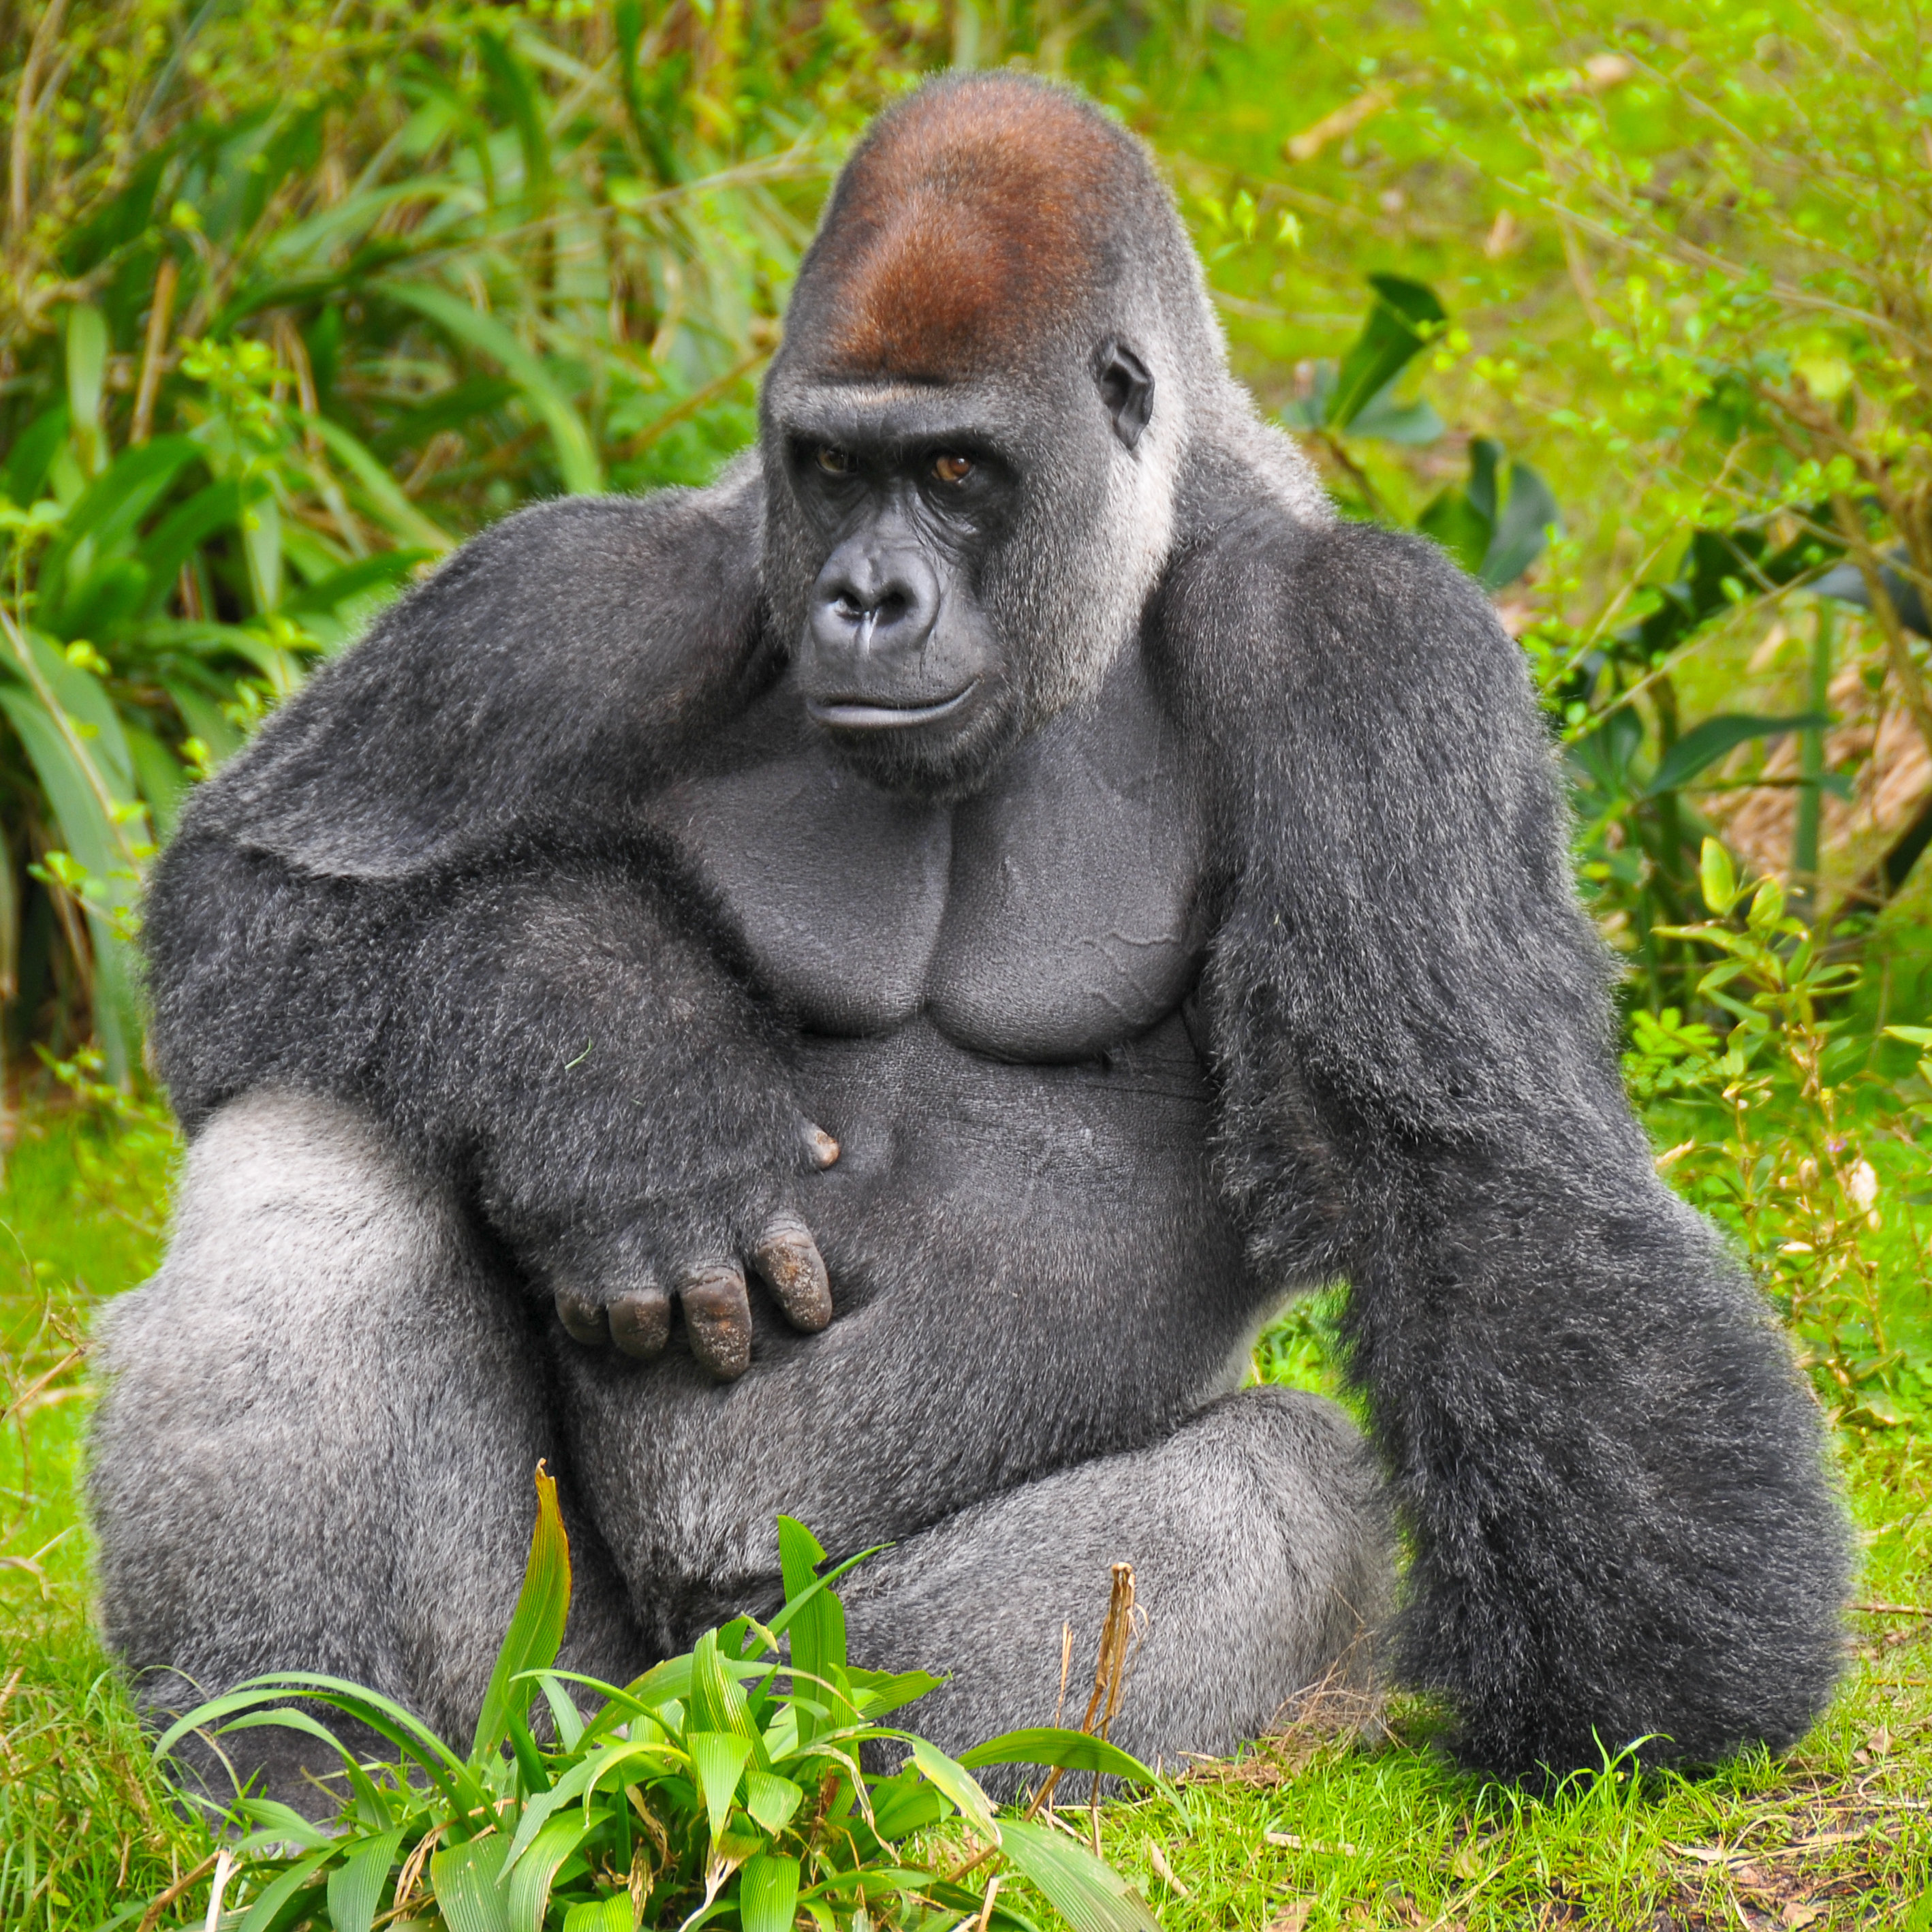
1811,767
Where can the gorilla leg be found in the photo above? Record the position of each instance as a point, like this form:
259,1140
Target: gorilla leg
315,1451
1262,1557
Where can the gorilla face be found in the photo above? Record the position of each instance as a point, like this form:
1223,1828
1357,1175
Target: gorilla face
900,661
939,624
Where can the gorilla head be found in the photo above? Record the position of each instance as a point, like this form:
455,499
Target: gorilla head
973,433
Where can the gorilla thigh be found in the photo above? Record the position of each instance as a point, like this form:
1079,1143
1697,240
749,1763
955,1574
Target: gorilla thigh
316,1448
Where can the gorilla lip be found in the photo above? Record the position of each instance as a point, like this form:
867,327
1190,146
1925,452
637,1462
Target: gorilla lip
868,714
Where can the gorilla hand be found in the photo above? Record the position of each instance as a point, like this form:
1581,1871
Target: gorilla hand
617,1292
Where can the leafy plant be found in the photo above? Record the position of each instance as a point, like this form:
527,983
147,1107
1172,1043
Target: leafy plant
724,1787
1498,523
1786,1170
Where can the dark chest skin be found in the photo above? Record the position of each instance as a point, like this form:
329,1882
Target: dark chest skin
987,1000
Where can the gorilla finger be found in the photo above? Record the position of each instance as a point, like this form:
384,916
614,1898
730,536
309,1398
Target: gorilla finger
718,1318
582,1319
788,1258
640,1320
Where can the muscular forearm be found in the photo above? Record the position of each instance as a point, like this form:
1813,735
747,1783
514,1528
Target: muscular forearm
560,1044
1607,1459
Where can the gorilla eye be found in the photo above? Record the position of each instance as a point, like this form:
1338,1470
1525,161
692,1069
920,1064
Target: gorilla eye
954,469
836,462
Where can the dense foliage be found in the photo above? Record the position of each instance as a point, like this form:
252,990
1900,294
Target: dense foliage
723,1787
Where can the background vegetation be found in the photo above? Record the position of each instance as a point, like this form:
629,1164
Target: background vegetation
292,297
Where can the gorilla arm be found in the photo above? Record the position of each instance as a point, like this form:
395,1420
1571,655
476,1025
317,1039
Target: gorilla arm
421,891
1612,1474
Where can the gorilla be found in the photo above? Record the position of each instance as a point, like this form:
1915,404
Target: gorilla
857,992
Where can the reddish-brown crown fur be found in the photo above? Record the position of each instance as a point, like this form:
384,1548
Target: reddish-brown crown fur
965,229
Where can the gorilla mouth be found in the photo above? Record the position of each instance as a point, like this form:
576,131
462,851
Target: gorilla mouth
855,714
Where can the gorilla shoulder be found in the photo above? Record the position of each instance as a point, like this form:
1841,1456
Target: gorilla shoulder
554,663
1263,608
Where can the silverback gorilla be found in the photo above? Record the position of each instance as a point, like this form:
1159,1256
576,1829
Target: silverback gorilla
856,990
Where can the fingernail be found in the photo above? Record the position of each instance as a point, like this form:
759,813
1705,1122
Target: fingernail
824,1148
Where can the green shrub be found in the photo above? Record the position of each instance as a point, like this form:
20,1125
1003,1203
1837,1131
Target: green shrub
723,1787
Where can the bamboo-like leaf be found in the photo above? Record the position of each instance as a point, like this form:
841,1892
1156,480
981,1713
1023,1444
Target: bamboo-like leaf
768,1893
467,1892
718,1702
1704,744
264,1910
383,1715
86,370
1061,1749
576,454
536,1625
393,508
355,1885
1089,1895
718,1758
528,1898
772,1800
956,1782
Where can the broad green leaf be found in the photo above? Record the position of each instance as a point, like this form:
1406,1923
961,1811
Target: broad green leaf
1065,1750
1404,319
1911,1035
1522,530
906,1804
815,1619
955,1783
718,1758
261,544
355,1885
536,1625
717,1702
1720,883
467,1893
266,1907
1704,744
877,1693
768,1893
576,454
1767,906
31,456
603,1915
772,1800
1411,424
86,368
1089,1895
528,1899
1462,529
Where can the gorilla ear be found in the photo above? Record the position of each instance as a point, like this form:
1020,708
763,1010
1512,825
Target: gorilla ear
1126,387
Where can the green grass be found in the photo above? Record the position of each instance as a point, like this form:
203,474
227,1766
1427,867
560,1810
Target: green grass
1386,1834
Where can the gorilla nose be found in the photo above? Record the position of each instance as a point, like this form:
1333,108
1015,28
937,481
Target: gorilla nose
871,602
